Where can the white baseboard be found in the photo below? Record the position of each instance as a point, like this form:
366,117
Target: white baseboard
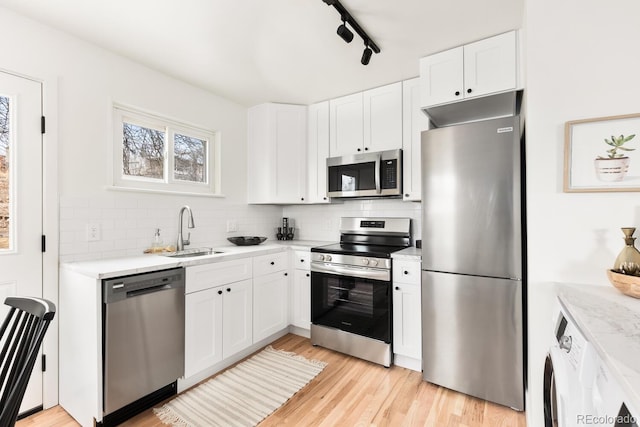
407,362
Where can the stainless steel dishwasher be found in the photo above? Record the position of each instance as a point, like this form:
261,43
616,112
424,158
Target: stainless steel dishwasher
143,341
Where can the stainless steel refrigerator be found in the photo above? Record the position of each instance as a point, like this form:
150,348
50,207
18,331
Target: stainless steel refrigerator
472,259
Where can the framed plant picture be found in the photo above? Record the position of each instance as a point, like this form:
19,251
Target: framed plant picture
602,154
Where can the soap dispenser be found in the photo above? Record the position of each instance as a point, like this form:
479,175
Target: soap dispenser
157,240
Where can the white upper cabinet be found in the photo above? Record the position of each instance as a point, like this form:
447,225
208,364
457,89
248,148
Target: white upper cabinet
346,131
317,152
414,121
277,156
442,77
383,118
477,69
366,121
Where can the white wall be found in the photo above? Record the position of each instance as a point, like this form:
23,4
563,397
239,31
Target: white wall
89,79
582,62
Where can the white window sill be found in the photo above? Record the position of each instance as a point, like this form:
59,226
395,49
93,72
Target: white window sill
151,191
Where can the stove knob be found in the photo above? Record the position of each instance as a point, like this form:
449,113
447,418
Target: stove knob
320,257
365,261
374,262
327,257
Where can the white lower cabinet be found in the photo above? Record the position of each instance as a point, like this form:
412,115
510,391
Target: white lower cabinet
218,324
237,315
301,291
270,294
407,314
218,312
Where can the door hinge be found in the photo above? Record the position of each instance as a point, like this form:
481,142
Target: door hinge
44,363
42,125
44,243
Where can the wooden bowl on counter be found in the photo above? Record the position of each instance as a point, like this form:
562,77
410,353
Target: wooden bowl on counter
627,284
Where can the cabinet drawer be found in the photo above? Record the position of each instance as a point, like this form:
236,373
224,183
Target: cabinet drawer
206,276
406,272
301,260
271,263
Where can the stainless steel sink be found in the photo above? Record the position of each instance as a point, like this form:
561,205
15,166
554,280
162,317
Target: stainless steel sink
193,252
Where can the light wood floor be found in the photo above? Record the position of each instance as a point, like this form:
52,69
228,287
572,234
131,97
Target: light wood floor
352,392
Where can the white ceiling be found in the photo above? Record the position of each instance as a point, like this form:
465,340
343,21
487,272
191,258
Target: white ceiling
254,51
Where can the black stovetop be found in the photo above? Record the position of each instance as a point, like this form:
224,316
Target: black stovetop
375,251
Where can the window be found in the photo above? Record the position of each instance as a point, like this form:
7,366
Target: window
153,153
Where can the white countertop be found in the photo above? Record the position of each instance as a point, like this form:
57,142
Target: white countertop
610,320
115,267
409,254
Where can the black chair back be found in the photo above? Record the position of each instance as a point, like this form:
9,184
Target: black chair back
21,335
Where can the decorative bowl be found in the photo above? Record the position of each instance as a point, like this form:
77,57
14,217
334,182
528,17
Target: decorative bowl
246,240
627,284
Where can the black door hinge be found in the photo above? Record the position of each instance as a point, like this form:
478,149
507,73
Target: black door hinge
42,125
44,362
44,243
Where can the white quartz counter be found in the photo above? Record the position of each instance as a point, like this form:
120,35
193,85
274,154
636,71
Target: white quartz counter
409,254
610,320
115,267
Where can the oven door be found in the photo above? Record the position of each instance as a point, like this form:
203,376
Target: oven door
358,305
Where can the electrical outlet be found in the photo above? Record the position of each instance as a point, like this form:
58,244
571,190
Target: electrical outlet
232,226
93,232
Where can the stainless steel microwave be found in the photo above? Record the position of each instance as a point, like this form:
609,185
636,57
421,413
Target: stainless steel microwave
365,175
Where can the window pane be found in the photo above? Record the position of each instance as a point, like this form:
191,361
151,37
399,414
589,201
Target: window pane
142,151
189,159
4,172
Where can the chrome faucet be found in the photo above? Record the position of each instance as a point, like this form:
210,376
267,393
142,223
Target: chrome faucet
182,242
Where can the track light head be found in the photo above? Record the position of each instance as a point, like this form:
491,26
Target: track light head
345,33
366,55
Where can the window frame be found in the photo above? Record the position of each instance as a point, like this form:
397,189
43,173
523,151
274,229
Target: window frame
168,183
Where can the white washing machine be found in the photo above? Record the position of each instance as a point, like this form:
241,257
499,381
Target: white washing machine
611,408
569,373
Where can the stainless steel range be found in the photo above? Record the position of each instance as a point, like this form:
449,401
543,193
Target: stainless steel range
351,287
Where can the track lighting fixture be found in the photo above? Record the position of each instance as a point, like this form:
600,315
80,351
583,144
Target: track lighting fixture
344,32
369,46
366,55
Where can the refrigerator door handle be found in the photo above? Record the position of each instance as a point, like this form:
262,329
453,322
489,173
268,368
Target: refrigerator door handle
377,175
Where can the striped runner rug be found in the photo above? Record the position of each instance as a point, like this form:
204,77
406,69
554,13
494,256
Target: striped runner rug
243,395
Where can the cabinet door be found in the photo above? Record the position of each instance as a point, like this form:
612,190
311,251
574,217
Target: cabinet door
490,65
270,304
345,125
291,154
203,330
276,154
414,122
301,299
407,321
441,77
383,117
317,152
236,317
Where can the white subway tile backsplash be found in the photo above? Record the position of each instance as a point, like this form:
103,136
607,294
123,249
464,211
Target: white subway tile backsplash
128,221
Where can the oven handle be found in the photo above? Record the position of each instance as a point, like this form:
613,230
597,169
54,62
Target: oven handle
362,272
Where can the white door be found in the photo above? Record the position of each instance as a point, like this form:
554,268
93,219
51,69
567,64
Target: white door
21,201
